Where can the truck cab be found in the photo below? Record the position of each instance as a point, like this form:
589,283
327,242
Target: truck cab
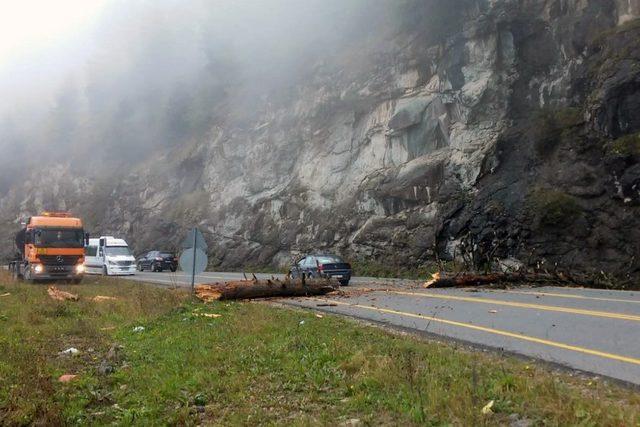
109,256
50,247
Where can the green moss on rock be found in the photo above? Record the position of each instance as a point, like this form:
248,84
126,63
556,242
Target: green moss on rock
553,208
628,145
551,126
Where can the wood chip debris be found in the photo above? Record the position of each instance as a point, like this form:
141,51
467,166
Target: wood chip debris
434,278
486,410
59,295
210,315
67,378
101,298
71,351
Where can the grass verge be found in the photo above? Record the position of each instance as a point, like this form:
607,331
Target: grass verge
250,363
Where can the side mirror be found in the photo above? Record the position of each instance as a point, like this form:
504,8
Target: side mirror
86,239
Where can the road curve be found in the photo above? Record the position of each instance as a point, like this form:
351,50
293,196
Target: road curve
596,331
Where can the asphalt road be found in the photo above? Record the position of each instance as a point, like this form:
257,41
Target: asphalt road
596,331
180,279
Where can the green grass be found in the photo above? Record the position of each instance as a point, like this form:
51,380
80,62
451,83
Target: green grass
258,364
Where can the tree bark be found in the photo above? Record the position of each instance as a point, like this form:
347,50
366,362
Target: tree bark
249,289
442,280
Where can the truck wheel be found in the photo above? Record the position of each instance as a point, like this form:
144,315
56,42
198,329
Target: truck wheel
173,269
344,282
105,272
139,266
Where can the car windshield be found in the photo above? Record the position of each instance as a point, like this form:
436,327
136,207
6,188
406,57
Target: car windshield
59,238
329,259
166,255
117,250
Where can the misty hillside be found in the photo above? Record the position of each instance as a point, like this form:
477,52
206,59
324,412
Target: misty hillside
395,130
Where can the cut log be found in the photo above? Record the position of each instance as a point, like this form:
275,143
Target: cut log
249,289
443,280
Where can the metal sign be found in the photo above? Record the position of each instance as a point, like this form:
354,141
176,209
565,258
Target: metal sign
194,258
187,261
195,239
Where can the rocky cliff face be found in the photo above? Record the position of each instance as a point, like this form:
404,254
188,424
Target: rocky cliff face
512,132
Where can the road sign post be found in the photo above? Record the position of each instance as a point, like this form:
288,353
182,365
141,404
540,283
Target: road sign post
194,257
193,269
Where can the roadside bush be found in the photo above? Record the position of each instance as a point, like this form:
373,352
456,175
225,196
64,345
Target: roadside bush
553,208
551,126
628,145
385,268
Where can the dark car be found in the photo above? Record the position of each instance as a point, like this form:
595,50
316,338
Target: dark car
157,261
331,266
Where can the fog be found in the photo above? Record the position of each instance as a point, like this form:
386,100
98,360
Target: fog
151,74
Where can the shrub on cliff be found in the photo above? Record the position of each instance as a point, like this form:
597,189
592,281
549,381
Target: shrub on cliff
551,126
628,145
553,208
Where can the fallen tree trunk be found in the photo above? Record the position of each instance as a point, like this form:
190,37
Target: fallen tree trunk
443,280
249,289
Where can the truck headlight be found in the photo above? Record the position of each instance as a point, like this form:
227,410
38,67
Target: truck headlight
38,268
80,268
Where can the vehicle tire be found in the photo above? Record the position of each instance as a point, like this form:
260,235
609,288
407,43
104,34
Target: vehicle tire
76,281
105,272
344,283
173,269
139,267
159,269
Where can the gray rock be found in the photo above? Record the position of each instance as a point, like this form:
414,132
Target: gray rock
105,368
430,145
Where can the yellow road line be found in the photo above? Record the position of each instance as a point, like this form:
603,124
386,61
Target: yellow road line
553,294
522,337
584,312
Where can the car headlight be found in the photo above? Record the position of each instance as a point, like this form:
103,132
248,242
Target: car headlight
38,268
80,268
112,262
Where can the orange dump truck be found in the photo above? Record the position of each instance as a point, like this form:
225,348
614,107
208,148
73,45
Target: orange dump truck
51,247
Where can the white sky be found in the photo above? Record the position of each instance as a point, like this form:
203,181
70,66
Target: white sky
41,42
29,26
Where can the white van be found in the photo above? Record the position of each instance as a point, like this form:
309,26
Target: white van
109,256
